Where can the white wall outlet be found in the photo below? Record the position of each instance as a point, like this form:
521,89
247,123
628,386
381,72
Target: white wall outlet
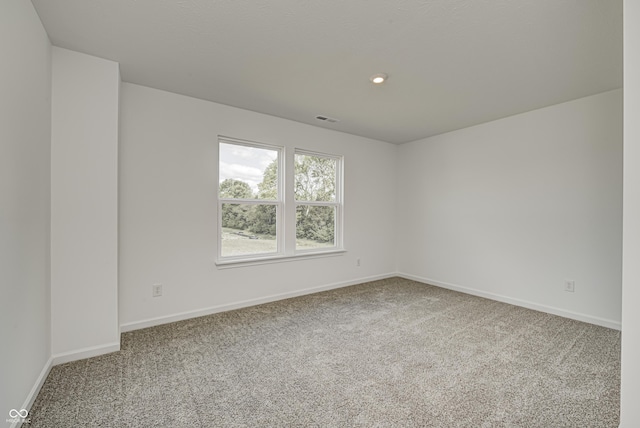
570,286
156,290
358,262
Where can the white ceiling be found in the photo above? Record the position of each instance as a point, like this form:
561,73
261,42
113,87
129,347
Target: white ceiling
451,63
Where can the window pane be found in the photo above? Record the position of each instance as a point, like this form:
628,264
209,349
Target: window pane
248,229
315,178
315,227
248,172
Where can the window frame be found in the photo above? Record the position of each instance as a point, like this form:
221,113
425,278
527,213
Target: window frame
286,206
337,203
278,203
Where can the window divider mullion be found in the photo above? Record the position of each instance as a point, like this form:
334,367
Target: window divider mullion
289,202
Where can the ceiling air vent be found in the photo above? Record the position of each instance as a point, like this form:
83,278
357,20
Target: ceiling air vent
327,119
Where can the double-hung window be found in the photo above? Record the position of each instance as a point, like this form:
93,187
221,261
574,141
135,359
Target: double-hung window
260,218
318,200
250,195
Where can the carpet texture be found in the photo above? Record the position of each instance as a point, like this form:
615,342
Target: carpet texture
390,353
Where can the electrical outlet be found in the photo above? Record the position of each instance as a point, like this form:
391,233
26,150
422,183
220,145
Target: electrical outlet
358,262
570,286
156,290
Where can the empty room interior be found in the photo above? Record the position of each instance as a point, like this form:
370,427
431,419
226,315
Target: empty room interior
286,213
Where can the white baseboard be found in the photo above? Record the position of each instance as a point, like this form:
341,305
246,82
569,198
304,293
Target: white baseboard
31,397
136,325
81,354
616,325
60,359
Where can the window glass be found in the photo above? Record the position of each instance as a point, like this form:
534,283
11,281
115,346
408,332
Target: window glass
248,229
315,178
315,227
248,172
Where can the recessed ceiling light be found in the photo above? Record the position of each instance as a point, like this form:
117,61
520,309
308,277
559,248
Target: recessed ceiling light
378,78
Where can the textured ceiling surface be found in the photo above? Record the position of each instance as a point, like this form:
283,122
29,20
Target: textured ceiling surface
451,63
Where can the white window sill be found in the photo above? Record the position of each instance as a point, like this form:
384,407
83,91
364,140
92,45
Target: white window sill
255,261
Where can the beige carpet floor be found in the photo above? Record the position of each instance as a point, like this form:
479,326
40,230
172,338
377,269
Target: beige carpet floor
390,353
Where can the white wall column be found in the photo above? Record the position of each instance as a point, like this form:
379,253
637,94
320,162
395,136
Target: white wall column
84,206
630,389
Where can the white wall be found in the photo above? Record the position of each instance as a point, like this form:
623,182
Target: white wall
25,133
630,388
168,179
84,211
511,208
25,120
